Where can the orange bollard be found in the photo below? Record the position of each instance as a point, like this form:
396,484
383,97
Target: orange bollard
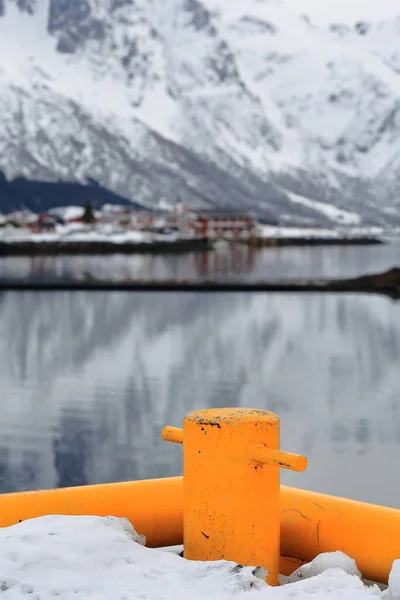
310,523
154,506
231,481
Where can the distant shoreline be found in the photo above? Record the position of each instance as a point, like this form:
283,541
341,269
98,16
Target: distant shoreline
30,248
387,283
51,248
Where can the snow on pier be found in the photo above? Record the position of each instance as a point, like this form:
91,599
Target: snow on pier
103,558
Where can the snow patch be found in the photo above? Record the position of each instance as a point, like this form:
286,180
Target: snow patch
393,592
338,215
76,232
103,557
269,231
323,562
68,212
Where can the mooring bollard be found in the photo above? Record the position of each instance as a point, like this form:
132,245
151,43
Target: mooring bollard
231,480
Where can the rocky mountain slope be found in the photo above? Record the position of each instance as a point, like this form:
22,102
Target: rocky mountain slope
213,102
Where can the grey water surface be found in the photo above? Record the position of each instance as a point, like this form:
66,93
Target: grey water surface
88,379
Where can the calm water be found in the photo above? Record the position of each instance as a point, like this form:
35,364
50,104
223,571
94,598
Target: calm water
241,262
88,380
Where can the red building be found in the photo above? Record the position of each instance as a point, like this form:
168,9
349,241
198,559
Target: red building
44,222
222,223
144,219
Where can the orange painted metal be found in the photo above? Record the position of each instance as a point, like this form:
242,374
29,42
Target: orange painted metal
309,522
230,462
312,523
278,458
154,506
288,564
172,434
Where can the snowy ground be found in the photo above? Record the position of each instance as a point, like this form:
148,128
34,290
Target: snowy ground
268,231
109,233
78,233
98,558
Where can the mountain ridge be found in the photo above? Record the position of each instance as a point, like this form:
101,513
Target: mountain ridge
213,103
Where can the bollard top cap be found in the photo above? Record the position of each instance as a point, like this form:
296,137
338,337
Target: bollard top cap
232,416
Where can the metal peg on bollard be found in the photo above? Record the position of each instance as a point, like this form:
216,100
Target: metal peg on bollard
231,479
172,434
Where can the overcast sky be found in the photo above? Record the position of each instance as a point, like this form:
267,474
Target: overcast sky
326,11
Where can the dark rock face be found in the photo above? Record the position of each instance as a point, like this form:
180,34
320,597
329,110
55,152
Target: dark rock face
73,22
259,26
66,15
27,6
131,52
200,18
362,28
115,4
223,65
388,280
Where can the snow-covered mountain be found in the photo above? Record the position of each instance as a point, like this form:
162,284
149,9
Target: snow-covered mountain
210,101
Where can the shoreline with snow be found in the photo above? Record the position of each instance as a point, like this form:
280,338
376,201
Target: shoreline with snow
35,248
118,230
130,242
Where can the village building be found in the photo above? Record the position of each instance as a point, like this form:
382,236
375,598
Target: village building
213,223
183,220
228,224
144,220
121,216
44,223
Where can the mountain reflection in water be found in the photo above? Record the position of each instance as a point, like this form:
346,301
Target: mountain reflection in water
90,379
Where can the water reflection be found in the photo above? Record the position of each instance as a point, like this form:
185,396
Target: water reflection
89,380
238,262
